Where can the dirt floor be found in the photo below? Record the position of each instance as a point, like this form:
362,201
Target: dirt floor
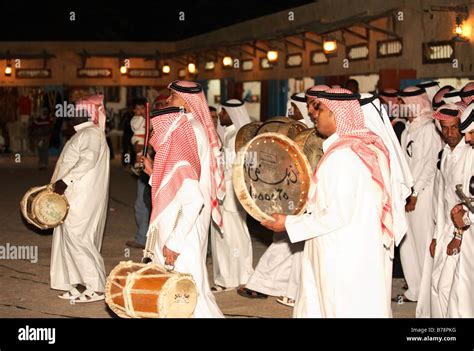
25,289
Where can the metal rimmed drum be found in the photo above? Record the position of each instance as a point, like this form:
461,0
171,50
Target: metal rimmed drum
271,175
245,134
44,208
282,125
312,146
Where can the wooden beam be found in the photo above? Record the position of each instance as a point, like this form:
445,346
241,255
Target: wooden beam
350,31
256,47
247,52
313,41
380,30
289,42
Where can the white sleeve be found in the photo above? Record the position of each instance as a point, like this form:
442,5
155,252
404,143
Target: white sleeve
340,180
190,202
439,215
432,146
88,148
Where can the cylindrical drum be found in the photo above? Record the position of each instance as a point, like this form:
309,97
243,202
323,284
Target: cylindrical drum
139,290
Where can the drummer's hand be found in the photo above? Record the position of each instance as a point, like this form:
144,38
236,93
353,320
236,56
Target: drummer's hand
454,247
147,164
170,256
432,248
457,214
278,225
59,187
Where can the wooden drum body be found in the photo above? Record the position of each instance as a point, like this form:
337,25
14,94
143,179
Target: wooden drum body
44,208
138,290
271,175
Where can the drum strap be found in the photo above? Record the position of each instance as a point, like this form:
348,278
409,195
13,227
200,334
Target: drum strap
148,253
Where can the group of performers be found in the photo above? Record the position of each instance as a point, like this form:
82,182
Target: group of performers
368,194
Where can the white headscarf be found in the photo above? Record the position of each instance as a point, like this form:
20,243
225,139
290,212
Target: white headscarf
302,107
238,114
431,88
377,120
420,106
466,117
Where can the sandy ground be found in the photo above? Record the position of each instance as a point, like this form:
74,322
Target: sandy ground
25,289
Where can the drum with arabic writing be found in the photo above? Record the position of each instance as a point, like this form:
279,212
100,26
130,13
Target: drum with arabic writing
271,175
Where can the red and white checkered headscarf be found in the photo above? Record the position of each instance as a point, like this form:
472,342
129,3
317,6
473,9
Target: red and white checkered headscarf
350,127
94,105
192,93
176,158
320,87
448,111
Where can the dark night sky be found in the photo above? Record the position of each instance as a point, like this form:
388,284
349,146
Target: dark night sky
129,20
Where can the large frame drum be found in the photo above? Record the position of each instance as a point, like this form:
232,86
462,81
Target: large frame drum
245,134
44,208
271,175
282,125
312,146
139,290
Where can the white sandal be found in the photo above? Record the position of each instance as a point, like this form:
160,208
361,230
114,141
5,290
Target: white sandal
70,295
284,300
89,296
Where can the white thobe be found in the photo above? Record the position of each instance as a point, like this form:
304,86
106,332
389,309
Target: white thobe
276,273
452,280
183,226
84,166
345,262
232,251
423,308
425,144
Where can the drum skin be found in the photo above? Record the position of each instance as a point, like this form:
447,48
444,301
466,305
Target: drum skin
138,290
282,125
44,208
312,146
271,175
245,134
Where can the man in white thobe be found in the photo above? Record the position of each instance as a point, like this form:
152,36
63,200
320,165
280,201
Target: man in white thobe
447,121
278,270
421,144
231,252
187,184
82,174
377,120
452,280
348,224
